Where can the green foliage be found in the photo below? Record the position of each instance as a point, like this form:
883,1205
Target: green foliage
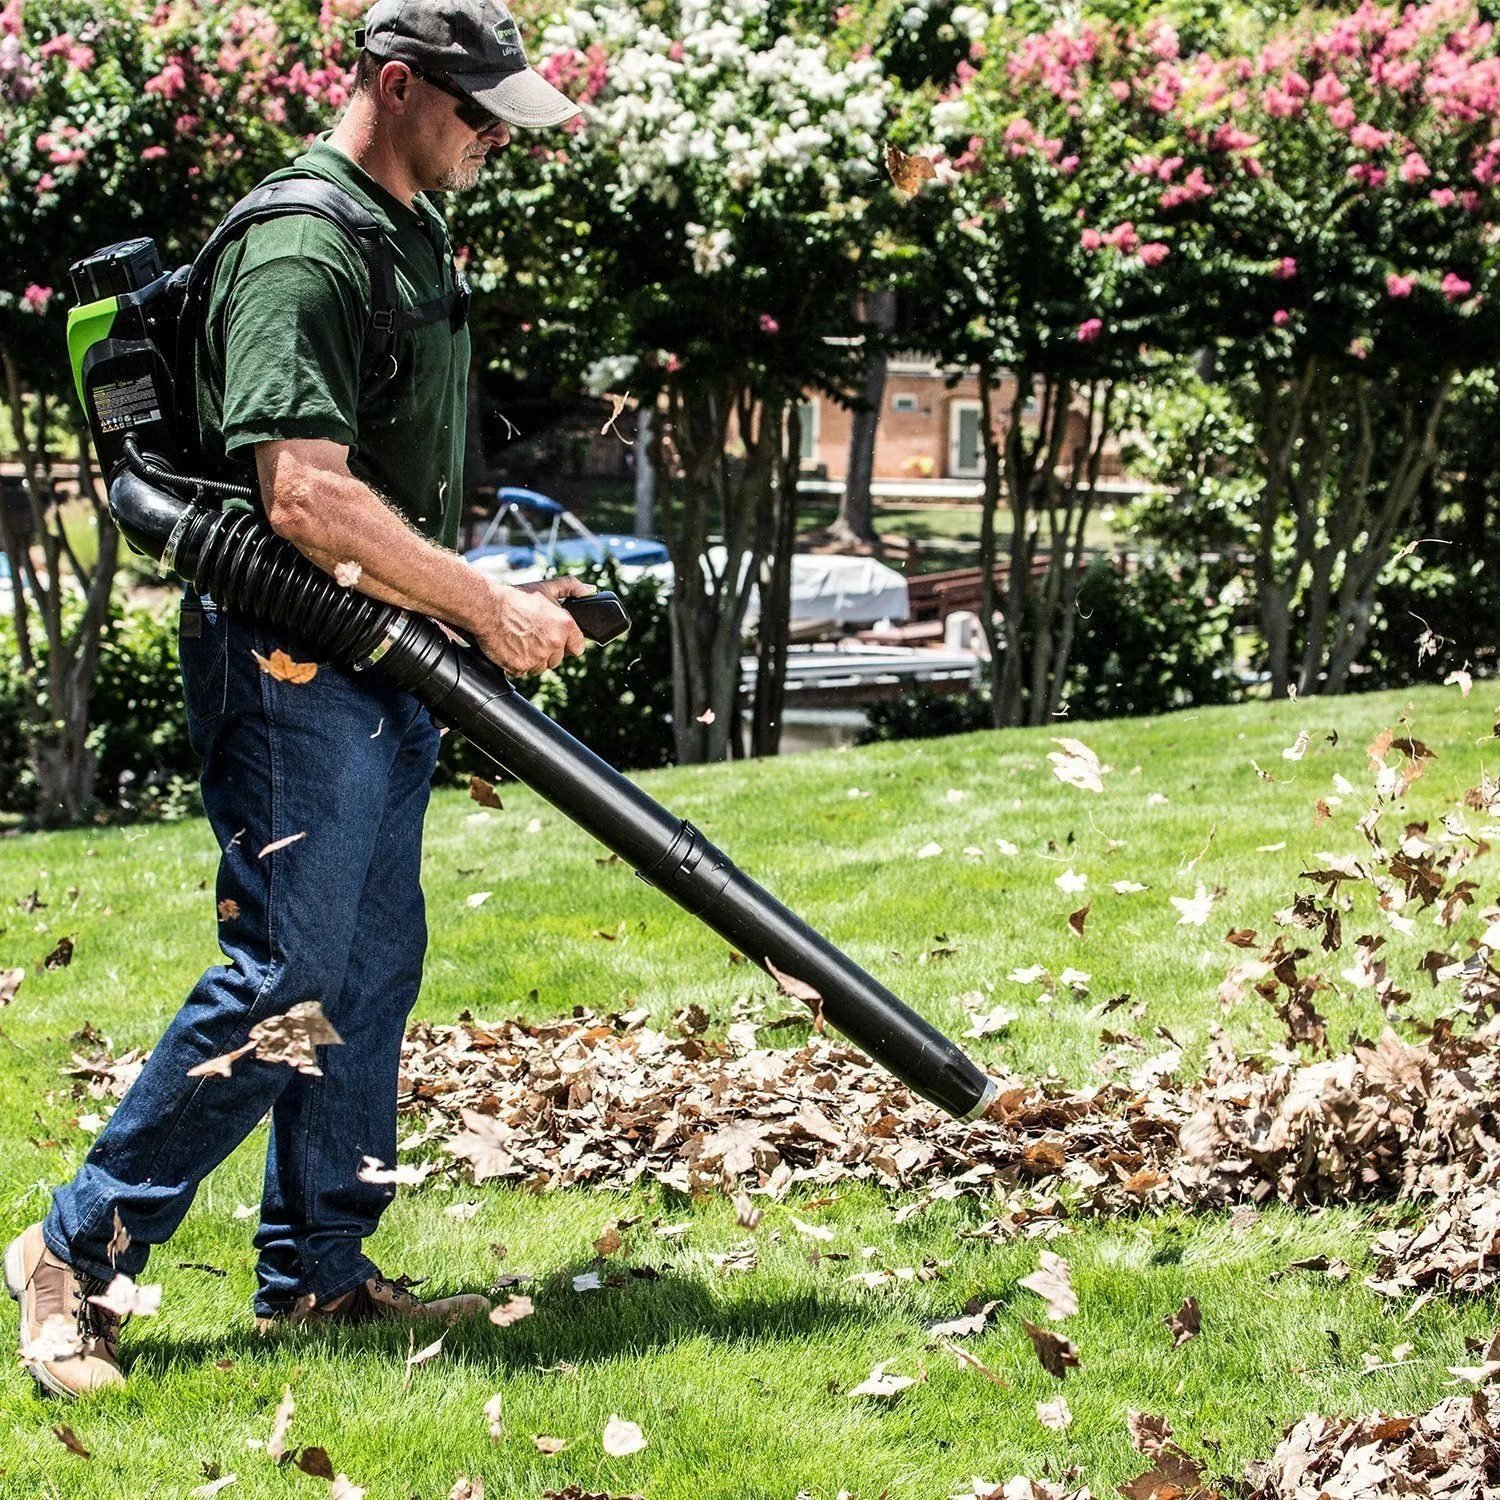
1146,642
17,788
138,723
1435,613
1196,438
1153,640
138,727
926,716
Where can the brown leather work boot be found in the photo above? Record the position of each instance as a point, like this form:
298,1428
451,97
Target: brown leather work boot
378,1300
67,1342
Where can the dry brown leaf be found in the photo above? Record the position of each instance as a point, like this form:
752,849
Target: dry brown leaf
422,1356
511,1311
972,1362
881,1386
483,793
280,1425
61,956
1174,1476
1052,1281
218,1067
1185,1322
229,909
799,989
549,1444
1055,1415
125,1299
281,666
1148,1434
314,1461
276,844
69,1439
1056,1354
493,1423
622,1438
908,172
293,1037
10,982
1076,765
619,405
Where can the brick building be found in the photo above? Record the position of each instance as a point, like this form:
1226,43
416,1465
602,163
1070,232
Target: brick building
929,425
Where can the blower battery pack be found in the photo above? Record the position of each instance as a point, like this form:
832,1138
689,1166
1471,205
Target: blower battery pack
122,344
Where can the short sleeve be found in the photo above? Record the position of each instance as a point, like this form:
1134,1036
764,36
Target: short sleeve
294,327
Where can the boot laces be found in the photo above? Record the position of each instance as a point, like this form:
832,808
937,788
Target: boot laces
401,1292
95,1323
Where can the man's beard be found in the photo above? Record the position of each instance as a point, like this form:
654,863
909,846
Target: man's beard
460,177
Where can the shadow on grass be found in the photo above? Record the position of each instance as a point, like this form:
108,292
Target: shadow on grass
577,1328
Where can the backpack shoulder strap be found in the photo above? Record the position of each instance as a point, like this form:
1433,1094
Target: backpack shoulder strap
325,200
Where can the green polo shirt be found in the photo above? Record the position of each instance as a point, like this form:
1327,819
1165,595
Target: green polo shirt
281,356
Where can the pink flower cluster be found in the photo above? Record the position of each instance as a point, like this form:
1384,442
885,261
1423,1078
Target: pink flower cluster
35,299
1192,189
1056,59
171,81
64,46
580,75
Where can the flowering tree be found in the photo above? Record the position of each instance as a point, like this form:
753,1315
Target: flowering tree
1347,177
1319,211
113,127
1049,258
693,244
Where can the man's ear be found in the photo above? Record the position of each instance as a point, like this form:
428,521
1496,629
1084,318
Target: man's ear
394,86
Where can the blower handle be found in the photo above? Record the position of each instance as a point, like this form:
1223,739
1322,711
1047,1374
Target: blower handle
600,616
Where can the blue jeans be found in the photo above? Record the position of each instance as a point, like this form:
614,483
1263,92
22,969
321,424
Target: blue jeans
337,917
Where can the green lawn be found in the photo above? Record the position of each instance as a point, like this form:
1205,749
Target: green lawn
741,1381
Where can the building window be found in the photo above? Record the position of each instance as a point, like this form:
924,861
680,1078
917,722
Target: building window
906,403
964,457
808,410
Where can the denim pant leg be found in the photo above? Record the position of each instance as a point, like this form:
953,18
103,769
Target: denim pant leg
315,1212
279,759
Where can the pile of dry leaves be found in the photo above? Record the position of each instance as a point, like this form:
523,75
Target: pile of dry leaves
1449,1453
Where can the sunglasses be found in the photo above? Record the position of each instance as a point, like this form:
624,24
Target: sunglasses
469,111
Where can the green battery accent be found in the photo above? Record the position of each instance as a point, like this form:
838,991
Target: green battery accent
87,325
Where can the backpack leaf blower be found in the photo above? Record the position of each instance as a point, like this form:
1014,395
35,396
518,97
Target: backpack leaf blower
232,555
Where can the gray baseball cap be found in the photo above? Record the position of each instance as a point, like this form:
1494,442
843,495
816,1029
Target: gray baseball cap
476,45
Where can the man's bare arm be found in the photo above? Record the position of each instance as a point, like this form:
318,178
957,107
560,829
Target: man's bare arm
313,501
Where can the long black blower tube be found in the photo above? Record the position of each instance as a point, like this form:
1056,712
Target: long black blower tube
237,560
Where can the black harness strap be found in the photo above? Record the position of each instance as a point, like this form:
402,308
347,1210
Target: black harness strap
325,200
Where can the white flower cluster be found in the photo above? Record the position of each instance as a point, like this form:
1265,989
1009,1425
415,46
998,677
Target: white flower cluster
966,20
716,113
609,373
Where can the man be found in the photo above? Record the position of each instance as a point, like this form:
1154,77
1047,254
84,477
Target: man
316,789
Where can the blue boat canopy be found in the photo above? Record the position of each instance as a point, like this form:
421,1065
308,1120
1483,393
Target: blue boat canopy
528,500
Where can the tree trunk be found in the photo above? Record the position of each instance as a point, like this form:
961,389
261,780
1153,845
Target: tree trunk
1288,422
1366,563
645,468
773,635
989,615
708,605
855,523
61,682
